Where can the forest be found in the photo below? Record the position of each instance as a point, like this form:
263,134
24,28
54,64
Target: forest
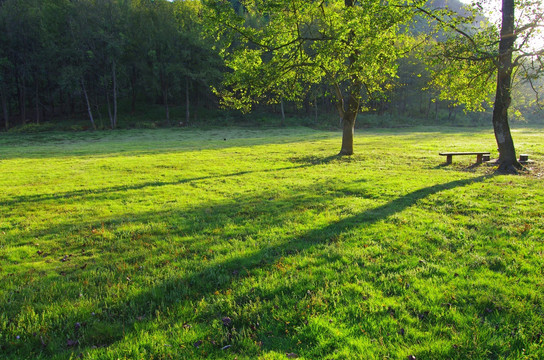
67,59
85,64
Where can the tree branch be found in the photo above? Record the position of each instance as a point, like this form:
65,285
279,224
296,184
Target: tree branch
454,28
533,24
526,54
533,88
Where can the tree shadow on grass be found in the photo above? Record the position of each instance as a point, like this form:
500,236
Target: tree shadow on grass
95,193
161,141
317,160
459,166
207,277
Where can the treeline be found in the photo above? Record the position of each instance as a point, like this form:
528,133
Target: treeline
95,59
60,57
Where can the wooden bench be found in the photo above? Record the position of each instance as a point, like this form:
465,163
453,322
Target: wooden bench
480,155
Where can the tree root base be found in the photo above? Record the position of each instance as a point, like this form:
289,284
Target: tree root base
507,168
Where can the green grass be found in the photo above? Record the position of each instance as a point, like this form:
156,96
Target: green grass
239,243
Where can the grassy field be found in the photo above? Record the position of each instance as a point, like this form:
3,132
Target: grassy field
251,243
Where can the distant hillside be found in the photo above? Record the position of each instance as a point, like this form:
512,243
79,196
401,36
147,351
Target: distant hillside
421,25
454,5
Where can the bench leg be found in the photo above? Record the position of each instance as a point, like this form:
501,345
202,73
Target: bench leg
448,159
478,158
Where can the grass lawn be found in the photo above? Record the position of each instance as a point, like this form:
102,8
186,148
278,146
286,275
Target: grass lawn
246,243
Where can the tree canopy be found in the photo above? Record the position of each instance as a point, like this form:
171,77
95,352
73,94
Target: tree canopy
279,48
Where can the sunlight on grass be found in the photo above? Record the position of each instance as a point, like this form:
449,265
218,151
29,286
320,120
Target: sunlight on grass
252,243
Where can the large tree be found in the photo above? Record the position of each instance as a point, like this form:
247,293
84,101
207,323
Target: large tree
477,52
278,48
503,94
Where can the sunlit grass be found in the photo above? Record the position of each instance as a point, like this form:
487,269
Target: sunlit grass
247,243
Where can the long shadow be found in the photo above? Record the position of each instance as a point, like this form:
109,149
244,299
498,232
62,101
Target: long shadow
94,192
180,140
219,276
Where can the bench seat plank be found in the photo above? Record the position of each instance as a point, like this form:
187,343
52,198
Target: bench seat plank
466,153
479,155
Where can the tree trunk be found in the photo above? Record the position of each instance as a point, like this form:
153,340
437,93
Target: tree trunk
451,110
21,90
88,104
187,102
114,76
5,111
37,98
348,130
348,119
133,91
97,108
505,143
306,103
315,107
61,102
282,113
51,100
112,125
23,104
166,108
73,102
164,88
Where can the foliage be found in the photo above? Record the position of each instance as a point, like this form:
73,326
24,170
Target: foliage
279,48
470,83
244,243
57,54
118,51
464,52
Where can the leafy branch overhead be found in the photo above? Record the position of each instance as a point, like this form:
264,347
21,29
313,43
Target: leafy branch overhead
465,55
275,45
